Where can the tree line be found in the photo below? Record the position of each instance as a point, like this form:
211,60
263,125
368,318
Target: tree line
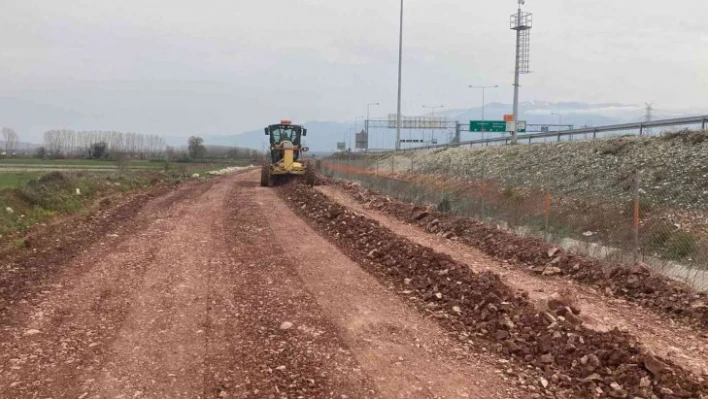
111,144
101,144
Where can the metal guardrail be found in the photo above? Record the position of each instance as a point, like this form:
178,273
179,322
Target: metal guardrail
639,126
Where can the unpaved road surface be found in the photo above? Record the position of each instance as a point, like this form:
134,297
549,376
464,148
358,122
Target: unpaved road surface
218,290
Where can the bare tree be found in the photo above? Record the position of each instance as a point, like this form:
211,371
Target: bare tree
60,143
11,139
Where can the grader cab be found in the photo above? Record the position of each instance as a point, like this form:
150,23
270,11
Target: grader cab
285,158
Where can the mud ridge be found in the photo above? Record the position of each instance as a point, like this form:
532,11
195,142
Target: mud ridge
574,361
636,283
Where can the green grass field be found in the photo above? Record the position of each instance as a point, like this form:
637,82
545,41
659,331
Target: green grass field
13,180
73,163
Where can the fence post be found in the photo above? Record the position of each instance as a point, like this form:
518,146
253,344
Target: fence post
547,212
636,217
559,136
594,134
484,195
641,129
703,125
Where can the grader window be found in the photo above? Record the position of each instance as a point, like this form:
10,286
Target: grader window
281,134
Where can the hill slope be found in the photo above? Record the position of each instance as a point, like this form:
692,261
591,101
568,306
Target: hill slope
672,168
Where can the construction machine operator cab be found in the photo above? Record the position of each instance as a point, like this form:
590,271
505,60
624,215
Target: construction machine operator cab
285,136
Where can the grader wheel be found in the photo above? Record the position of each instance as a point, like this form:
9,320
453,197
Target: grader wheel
266,179
310,173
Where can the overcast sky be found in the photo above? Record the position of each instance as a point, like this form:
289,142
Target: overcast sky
224,66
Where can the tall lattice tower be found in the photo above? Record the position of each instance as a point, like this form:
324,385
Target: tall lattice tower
649,115
521,22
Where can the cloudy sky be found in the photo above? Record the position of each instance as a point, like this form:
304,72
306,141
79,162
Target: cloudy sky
224,66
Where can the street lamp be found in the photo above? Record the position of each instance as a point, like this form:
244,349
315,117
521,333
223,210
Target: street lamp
483,103
433,107
368,111
400,68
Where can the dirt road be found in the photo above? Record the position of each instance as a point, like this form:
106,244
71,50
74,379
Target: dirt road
218,290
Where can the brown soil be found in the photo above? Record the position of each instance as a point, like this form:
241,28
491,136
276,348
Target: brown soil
574,360
682,344
217,290
636,283
407,355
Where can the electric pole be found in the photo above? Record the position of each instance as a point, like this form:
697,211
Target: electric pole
648,116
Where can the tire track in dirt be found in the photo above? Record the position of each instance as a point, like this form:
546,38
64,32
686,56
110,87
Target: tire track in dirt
160,348
62,325
404,354
24,273
281,345
185,302
684,345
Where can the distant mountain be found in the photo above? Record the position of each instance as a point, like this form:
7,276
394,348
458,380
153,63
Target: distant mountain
322,136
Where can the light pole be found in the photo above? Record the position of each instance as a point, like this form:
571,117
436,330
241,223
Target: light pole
432,130
368,111
400,64
483,103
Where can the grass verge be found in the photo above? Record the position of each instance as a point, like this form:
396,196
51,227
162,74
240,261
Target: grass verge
12,180
26,201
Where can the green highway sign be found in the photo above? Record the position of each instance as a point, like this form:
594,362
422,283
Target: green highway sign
488,126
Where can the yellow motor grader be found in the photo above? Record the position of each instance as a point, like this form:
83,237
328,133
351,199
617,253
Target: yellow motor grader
285,158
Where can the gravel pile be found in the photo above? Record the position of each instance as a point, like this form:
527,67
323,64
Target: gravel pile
572,361
636,283
673,167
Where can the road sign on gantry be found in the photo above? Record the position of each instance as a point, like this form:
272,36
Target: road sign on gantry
511,126
362,141
488,126
341,146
